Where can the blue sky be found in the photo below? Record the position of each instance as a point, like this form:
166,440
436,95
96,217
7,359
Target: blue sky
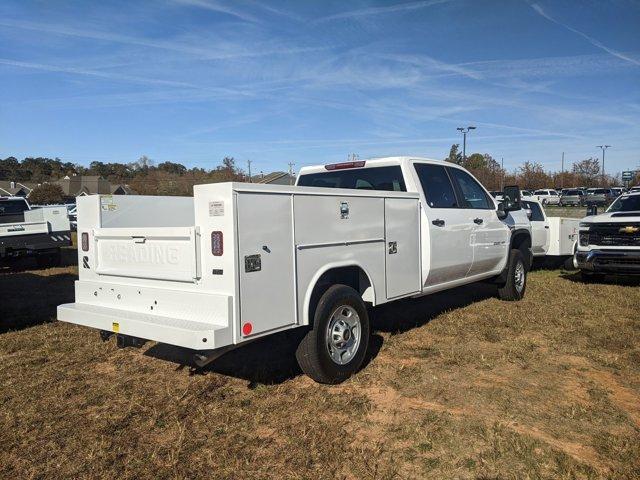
310,82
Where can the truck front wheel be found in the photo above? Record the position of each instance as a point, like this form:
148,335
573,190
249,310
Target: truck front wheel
335,347
516,284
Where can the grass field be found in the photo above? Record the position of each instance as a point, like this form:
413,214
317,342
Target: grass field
457,385
570,212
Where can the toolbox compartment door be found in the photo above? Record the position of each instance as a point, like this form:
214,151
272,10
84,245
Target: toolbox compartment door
402,257
154,253
265,263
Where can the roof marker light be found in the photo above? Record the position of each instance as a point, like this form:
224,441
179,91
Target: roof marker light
345,165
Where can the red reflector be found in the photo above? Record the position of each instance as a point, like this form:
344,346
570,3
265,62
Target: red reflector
342,166
247,328
85,242
217,245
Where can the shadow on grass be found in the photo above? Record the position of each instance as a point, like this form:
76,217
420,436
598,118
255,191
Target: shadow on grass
27,299
69,258
624,280
271,359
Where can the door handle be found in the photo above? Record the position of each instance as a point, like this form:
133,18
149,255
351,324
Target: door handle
477,221
547,227
438,223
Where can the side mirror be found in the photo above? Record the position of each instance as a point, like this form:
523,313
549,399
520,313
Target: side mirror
511,198
529,213
501,212
592,210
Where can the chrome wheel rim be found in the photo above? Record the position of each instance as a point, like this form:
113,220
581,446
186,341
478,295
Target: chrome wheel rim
519,276
343,334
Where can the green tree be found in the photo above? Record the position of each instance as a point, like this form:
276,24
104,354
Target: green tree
46,194
454,154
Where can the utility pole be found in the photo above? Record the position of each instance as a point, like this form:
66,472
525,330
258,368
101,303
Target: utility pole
249,168
501,174
464,132
603,148
562,172
291,164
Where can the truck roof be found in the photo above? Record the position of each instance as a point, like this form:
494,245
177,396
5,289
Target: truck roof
371,162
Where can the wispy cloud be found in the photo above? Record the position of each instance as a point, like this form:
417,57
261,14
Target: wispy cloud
168,45
596,43
366,12
116,76
219,7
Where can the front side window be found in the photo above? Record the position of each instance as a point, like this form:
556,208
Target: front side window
374,178
473,194
536,211
436,186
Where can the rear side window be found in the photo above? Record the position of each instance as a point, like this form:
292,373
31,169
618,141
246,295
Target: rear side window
436,186
536,211
12,207
473,194
377,178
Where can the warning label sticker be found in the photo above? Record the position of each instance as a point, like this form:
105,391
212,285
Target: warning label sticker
216,209
107,203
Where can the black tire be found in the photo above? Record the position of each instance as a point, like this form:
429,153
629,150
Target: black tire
49,259
513,289
313,353
591,277
568,264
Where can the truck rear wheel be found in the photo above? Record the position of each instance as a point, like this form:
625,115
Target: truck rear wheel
516,284
336,345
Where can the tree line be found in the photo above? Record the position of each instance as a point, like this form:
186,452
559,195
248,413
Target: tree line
532,175
170,178
143,175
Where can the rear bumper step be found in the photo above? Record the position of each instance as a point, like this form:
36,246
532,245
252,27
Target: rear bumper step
173,331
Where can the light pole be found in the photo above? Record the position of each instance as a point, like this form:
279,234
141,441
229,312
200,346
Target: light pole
603,148
464,132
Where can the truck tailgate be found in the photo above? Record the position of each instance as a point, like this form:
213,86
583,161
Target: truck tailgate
23,228
161,253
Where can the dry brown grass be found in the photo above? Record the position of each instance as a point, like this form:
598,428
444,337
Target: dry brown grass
459,385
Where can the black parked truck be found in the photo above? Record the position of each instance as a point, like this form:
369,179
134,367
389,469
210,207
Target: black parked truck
38,232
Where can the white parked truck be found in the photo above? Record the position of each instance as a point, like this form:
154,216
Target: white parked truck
553,239
239,261
38,232
610,242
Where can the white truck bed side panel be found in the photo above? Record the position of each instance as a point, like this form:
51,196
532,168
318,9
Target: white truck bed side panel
563,235
265,262
319,219
313,261
402,232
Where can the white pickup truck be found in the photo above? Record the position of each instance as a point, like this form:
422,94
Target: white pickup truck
39,232
553,239
239,261
610,242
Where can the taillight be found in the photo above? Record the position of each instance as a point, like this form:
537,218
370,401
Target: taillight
85,242
342,166
217,245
